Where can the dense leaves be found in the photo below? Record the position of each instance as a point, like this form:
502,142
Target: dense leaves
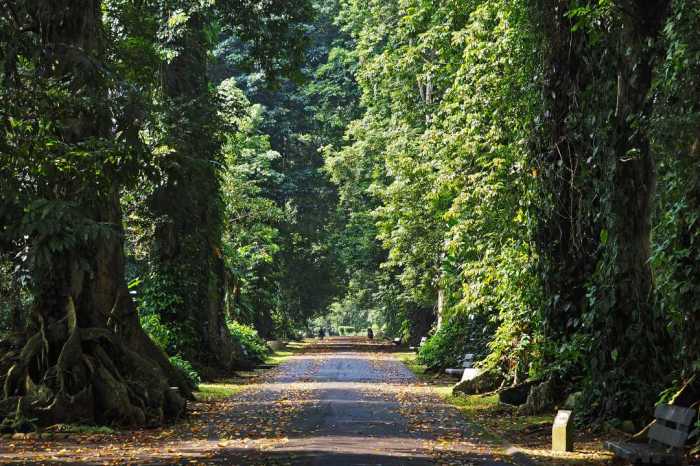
515,179
501,187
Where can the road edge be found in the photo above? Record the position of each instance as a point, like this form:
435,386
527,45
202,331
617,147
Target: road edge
505,446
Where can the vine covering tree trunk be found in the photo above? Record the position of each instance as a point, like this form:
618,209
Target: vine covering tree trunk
567,233
188,205
689,267
632,338
85,357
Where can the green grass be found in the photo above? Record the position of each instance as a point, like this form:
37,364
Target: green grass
226,388
280,356
215,391
530,434
492,414
80,429
438,379
410,360
496,420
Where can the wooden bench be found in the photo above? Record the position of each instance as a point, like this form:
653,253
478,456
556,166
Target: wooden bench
422,342
667,437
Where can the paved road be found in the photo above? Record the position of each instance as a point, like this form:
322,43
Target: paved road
343,401
364,407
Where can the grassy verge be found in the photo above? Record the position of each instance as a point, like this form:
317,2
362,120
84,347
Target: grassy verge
409,358
217,390
501,423
212,391
496,416
290,349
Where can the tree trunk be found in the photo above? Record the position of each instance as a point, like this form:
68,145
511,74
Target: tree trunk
188,235
86,359
633,339
567,232
440,308
421,320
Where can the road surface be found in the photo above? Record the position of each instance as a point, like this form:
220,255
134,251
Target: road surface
340,402
362,406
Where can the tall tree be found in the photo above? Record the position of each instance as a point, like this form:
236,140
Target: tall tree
632,337
188,238
187,204
85,357
567,168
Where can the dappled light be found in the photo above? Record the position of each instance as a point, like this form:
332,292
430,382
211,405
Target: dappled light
333,402
350,232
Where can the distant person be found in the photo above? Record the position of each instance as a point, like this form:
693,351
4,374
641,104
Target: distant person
370,333
321,333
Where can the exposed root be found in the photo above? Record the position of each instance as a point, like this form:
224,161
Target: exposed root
94,378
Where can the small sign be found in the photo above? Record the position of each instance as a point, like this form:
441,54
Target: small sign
563,432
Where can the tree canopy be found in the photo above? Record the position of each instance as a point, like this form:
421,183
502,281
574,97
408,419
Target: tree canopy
181,180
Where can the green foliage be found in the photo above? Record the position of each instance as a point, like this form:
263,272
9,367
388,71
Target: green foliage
281,207
437,175
486,174
461,334
251,214
247,338
524,173
159,333
186,368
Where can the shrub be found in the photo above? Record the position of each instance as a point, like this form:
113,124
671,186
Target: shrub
186,368
249,340
462,333
159,333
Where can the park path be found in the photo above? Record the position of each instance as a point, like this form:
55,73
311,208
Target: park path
342,401
366,408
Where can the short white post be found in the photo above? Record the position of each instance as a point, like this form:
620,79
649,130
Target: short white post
563,432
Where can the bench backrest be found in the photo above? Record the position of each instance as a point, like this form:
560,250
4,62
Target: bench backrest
468,360
673,423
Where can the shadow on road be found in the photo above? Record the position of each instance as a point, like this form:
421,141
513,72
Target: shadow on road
342,401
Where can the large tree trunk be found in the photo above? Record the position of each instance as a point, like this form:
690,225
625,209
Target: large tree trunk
86,359
188,234
567,233
421,320
633,340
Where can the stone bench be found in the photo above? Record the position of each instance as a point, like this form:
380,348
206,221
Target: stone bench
420,345
467,363
667,437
